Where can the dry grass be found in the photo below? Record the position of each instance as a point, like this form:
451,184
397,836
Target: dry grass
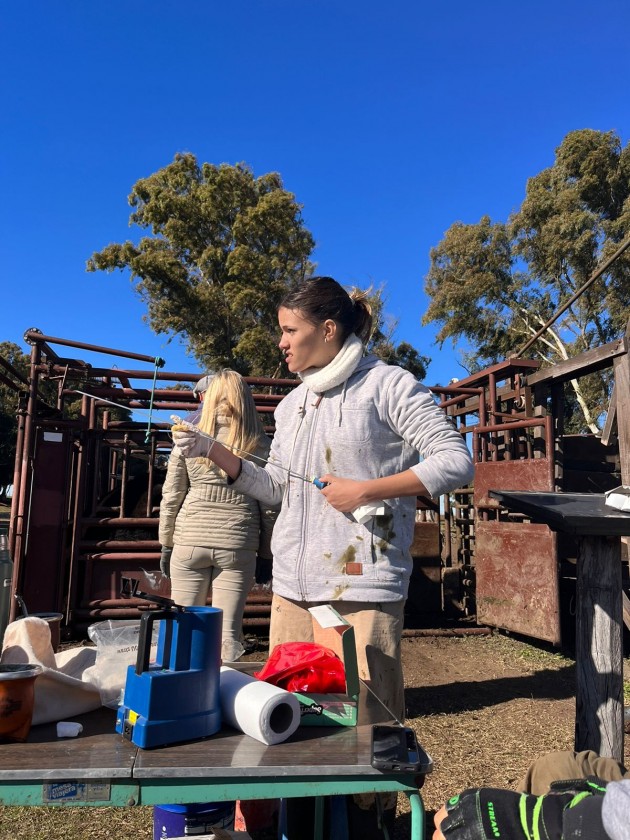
483,707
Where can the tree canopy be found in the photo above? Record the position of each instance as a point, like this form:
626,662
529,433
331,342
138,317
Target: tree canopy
383,345
223,249
496,283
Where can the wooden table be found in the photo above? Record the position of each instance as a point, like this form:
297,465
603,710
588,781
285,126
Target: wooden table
599,625
101,768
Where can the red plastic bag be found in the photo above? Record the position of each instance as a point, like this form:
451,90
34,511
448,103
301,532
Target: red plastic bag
306,667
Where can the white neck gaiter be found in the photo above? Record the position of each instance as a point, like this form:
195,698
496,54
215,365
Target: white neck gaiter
336,371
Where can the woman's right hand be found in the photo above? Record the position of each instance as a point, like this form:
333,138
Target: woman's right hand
191,444
194,445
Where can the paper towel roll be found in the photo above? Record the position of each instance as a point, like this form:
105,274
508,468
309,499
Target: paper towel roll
261,710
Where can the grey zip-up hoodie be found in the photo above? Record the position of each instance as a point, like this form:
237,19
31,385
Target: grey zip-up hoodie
377,423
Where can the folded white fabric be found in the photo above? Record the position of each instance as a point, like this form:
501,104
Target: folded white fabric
364,513
68,729
618,498
60,691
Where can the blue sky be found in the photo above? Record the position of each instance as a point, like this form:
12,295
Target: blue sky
389,121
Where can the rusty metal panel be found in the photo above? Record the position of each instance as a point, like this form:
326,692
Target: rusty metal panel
43,571
530,474
517,579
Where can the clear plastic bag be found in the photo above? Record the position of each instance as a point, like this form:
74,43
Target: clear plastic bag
116,648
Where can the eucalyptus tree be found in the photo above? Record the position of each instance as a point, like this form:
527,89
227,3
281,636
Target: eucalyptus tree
221,248
495,283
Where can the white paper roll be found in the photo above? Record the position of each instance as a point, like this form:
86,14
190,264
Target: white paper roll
261,710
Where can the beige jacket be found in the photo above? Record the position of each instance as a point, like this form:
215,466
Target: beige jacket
198,507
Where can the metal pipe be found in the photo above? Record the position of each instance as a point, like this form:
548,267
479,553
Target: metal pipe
596,274
76,517
119,522
90,546
17,481
137,557
521,424
37,337
21,534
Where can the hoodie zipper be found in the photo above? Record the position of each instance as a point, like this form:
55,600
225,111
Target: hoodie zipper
301,561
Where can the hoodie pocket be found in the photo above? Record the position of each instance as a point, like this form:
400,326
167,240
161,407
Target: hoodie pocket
355,425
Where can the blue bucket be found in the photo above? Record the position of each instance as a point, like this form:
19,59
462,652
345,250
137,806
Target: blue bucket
191,820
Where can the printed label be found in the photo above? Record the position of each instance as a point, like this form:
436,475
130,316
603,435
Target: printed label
76,792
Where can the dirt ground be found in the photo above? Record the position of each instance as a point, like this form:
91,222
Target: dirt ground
482,706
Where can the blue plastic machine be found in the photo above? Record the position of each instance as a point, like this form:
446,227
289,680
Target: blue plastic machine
176,698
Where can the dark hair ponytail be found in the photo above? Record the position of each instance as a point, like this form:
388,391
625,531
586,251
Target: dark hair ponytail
321,298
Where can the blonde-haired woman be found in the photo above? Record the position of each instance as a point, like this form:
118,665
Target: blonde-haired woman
215,532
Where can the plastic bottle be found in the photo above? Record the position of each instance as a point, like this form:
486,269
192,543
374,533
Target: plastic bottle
6,581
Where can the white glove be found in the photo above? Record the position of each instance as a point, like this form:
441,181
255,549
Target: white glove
191,444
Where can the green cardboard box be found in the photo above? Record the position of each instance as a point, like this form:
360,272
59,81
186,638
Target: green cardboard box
334,632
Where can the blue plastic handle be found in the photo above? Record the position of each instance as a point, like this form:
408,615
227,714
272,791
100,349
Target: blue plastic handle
320,484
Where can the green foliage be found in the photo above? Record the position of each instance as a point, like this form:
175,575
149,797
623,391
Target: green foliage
223,249
9,403
496,283
382,340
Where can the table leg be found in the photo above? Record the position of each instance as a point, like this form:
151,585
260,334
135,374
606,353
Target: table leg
318,832
599,647
418,816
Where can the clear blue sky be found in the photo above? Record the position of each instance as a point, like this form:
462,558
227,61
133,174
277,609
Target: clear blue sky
388,120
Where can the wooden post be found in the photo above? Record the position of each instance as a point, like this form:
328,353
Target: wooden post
599,649
622,403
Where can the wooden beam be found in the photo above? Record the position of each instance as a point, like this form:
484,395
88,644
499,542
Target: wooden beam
622,388
610,426
590,361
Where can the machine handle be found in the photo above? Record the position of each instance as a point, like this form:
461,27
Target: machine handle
146,635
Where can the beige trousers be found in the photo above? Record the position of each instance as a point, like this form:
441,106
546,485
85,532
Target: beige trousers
230,574
377,631
565,765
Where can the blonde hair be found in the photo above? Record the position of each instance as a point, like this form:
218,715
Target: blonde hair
228,394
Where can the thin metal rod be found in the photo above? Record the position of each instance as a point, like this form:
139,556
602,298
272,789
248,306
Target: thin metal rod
197,431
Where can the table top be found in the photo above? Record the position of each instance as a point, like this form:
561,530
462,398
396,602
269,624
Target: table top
99,752
583,514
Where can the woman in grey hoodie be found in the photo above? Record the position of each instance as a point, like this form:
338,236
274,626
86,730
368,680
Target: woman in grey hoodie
376,439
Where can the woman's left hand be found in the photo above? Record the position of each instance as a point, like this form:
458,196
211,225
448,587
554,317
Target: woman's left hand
344,494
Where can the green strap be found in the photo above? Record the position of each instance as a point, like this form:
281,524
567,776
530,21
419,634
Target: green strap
522,808
159,362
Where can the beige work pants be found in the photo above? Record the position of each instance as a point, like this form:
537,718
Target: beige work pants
565,765
377,631
230,574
